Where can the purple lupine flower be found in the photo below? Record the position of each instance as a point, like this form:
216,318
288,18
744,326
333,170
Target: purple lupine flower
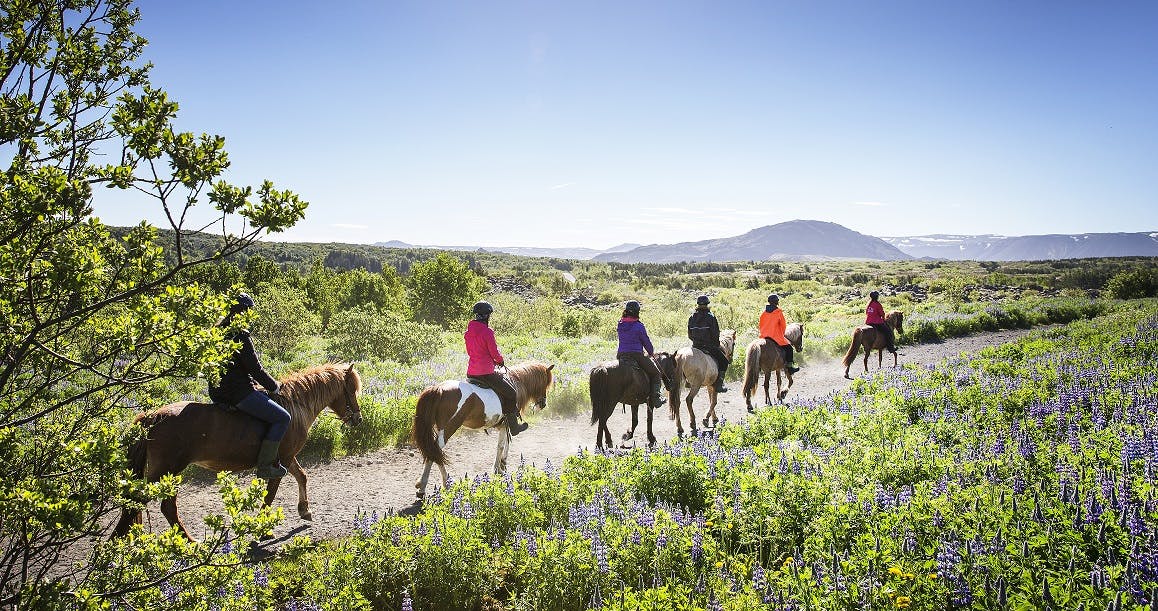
407,604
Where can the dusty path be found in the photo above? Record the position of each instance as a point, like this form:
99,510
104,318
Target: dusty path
383,481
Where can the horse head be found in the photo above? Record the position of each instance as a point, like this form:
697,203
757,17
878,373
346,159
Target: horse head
795,336
728,342
345,404
533,379
667,368
896,319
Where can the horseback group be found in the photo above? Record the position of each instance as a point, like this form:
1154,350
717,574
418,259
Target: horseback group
258,421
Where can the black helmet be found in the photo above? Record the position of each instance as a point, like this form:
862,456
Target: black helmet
482,309
631,308
702,300
243,302
874,295
773,299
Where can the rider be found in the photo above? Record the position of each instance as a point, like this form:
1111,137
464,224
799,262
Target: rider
236,387
704,331
484,355
633,345
875,316
772,325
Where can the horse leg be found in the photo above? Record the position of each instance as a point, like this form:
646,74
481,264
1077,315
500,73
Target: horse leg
169,509
299,474
880,357
420,485
650,435
767,393
712,406
867,352
634,422
501,452
692,392
442,437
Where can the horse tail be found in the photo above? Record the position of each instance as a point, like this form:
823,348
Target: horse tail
853,349
673,398
599,388
752,367
422,432
136,451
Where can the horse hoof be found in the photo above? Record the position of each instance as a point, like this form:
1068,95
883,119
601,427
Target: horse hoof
627,436
751,410
420,495
307,516
705,421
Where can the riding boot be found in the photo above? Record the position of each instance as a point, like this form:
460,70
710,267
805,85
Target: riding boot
268,466
656,399
788,361
513,424
720,384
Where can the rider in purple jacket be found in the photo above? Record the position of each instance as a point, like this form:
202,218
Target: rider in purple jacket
635,347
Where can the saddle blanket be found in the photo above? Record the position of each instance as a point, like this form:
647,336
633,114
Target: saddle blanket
492,407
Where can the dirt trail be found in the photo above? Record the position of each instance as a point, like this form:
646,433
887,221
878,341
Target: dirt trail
383,481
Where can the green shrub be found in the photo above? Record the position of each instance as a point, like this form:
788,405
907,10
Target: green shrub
363,332
1134,284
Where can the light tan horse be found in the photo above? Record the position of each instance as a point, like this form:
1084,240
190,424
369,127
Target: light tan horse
867,337
765,355
698,370
224,439
442,409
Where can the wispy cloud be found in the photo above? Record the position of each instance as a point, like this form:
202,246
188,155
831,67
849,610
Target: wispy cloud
873,204
349,226
562,186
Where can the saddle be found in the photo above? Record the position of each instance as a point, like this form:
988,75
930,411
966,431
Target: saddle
481,383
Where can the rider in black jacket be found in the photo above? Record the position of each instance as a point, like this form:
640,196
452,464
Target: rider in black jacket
236,387
704,331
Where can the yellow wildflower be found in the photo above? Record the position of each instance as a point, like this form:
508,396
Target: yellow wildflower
709,524
933,576
902,602
910,576
895,571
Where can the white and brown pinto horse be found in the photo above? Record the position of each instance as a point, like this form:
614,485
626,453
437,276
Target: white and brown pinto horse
765,356
698,370
445,407
865,336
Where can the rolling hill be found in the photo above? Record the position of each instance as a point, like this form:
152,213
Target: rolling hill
791,240
1028,248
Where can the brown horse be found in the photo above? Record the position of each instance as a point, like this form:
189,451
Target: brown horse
443,408
761,357
615,382
220,438
867,337
698,370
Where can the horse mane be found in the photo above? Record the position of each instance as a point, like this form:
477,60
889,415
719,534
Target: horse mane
310,387
900,318
529,375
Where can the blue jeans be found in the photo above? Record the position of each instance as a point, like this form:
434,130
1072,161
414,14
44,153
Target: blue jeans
260,406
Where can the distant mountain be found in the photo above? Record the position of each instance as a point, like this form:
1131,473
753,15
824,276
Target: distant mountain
1028,248
579,253
791,240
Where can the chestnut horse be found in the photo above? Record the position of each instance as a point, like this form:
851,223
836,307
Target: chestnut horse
698,370
867,337
615,382
764,355
221,438
442,408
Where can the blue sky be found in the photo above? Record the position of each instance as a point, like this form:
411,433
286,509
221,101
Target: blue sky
595,123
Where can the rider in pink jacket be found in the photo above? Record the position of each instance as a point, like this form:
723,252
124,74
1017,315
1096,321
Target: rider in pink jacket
875,316
483,353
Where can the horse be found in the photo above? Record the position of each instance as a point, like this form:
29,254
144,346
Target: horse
761,357
444,407
867,337
613,382
698,370
221,438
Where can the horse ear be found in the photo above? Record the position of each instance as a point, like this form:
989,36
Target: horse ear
550,367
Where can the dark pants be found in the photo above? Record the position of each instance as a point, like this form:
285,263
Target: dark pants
645,363
787,350
887,332
717,355
260,406
504,390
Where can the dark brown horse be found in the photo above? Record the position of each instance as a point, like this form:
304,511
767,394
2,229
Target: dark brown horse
614,382
867,337
223,439
445,407
762,357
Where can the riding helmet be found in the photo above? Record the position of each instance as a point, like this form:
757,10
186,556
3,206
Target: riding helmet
773,299
874,295
243,302
482,309
702,300
631,308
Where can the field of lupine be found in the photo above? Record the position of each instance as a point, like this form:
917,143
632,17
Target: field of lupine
1021,478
